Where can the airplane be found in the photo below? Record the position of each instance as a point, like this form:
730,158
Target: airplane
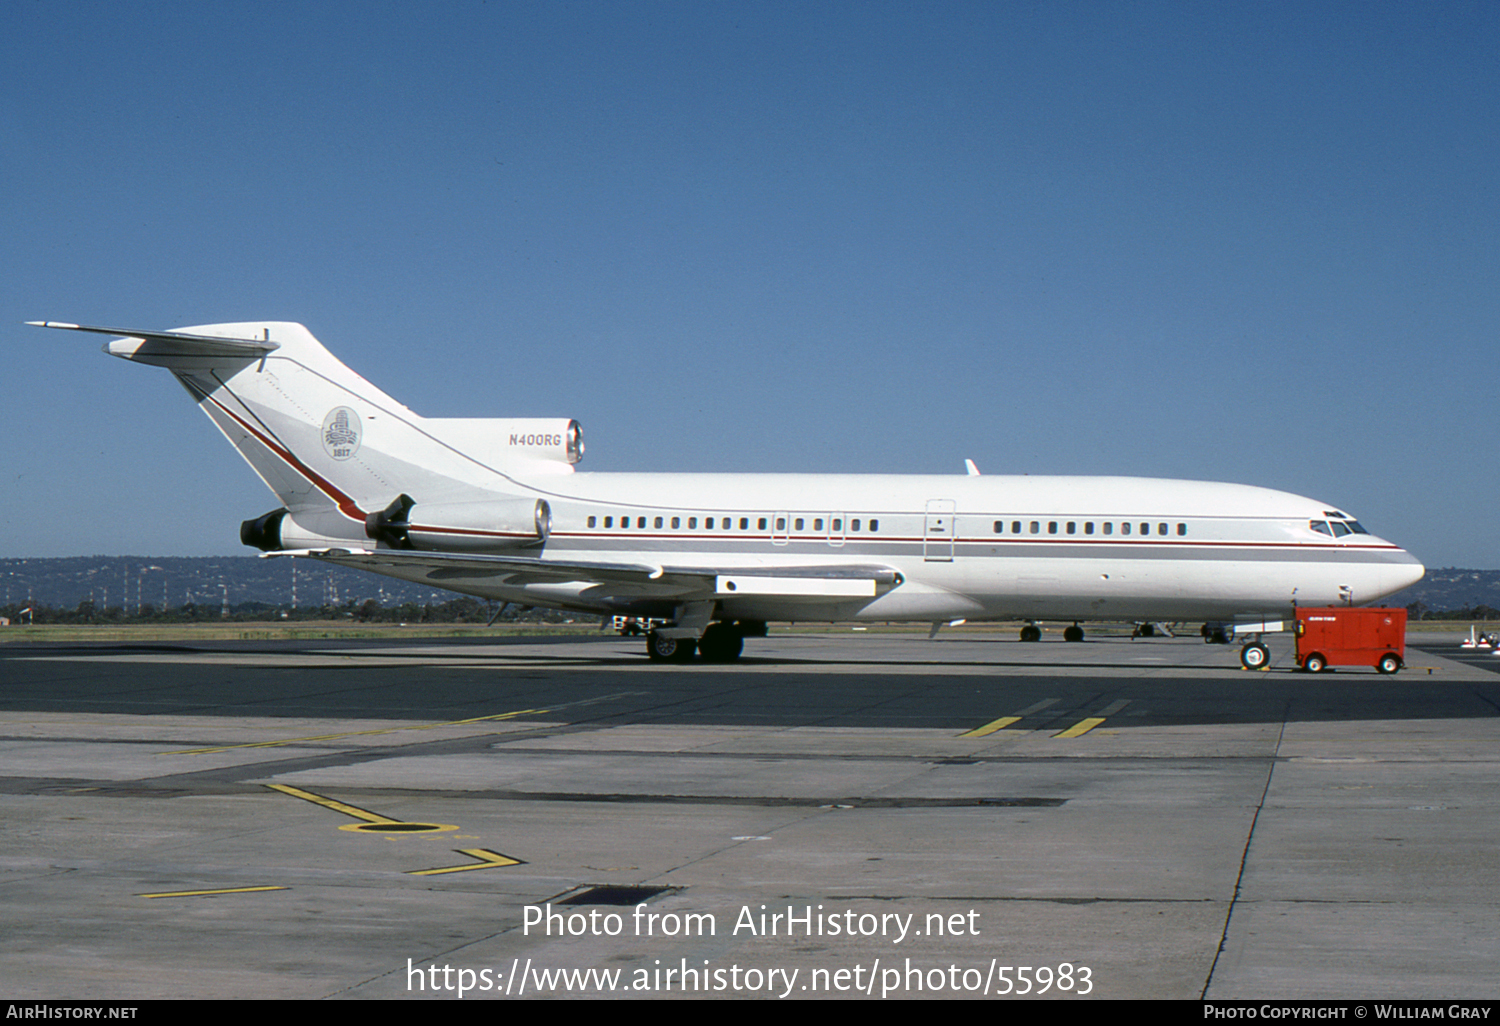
496,508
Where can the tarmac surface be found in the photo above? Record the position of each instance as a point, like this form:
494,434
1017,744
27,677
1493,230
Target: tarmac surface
382,819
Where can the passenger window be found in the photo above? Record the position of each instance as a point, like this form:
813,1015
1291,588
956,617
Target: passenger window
1109,528
592,521
1088,528
676,523
1145,528
1181,530
1036,528
1161,529
708,523
854,525
657,523
1015,527
760,524
818,524
609,521
1052,527
999,527
797,524
692,523
838,525
1125,528
874,525
640,522
781,523
1072,527
744,523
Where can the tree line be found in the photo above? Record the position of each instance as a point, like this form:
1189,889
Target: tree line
462,609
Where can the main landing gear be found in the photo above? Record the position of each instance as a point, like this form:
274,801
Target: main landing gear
722,642
1031,632
663,649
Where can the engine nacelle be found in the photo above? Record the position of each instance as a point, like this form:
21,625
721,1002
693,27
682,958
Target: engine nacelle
508,441
494,526
501,525
279,530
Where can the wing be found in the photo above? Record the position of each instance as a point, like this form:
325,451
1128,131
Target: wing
667,582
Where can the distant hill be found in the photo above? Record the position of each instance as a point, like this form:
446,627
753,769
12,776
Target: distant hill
1450,588
211,580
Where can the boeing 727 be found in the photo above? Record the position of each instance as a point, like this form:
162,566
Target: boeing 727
494,508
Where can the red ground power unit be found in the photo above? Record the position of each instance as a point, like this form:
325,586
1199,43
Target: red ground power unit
1349,636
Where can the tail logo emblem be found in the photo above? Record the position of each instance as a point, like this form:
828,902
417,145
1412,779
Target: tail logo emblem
341,433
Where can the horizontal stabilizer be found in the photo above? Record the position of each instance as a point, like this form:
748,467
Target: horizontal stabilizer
173,343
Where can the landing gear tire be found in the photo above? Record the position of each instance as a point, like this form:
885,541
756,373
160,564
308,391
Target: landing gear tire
1389,663
721,643
1255,656
669,650
1031,632
1073,633
1315,663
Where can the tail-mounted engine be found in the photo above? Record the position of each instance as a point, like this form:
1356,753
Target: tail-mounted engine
499,526
280,530
546,445
461,526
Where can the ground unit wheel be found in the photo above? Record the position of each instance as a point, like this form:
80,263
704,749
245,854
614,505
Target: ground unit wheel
1389,663
1031,632
669,650
1315,663
1255,656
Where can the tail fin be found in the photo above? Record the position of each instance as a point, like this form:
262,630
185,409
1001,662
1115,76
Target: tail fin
333,447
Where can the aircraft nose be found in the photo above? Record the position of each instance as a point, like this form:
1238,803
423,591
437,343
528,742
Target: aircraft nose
1403,574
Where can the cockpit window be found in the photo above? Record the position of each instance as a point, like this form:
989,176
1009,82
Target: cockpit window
1321,526
1354,526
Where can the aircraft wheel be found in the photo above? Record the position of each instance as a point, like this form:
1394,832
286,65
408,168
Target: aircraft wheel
721,643
1073,633
1031,632
1389,663
669,650
1255,656
1315,663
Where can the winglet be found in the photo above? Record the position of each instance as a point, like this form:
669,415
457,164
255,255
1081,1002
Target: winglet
973,470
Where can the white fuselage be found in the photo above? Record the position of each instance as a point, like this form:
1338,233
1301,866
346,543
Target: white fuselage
970,546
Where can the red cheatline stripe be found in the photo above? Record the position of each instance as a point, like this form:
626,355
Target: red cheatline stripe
345,503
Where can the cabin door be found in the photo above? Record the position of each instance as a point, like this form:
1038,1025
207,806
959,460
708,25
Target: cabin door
939,531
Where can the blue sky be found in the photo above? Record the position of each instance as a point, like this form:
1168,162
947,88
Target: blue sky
1253,242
